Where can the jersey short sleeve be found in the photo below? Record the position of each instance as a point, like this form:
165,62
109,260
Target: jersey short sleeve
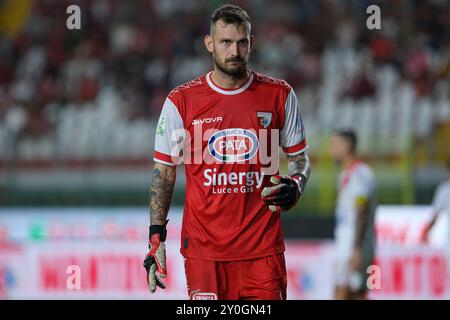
440,198
169,135
292,135
363,183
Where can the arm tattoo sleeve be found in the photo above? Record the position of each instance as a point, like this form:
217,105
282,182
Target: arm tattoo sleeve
299,164
160,195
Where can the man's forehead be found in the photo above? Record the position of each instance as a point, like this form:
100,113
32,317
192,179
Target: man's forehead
335,136
230,30
338,138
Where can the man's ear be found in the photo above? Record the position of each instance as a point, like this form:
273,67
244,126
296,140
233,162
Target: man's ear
252,41
209,43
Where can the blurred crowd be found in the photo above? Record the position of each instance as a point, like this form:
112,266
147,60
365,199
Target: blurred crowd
137,51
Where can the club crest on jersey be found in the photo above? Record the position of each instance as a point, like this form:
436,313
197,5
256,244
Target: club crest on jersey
264,118
233,145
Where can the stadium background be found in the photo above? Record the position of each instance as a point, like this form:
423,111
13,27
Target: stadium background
78,110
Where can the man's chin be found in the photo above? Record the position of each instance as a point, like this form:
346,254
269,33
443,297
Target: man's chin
234,71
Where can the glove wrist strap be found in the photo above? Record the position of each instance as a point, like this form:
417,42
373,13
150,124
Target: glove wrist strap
160,229
300,180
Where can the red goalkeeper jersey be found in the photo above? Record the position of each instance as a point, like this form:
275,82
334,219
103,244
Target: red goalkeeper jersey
228,141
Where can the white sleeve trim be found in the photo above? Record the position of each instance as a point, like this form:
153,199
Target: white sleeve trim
164,162
298,152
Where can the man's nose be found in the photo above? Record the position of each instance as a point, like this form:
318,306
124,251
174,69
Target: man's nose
234,52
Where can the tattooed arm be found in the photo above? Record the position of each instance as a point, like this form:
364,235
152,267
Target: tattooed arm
299,164
161,190
160,195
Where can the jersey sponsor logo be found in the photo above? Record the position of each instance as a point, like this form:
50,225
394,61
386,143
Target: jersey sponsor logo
250,178
161,128
233,145
233,182
206,120
264,118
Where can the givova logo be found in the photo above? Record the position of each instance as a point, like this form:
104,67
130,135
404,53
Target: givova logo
233,145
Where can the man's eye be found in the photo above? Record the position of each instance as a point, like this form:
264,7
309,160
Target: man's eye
226,41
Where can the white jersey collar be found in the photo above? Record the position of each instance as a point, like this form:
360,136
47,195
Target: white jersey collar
228,92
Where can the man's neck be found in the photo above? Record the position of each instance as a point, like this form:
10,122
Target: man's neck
229,82
348,162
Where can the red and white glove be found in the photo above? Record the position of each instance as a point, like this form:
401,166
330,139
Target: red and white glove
155,261
284,193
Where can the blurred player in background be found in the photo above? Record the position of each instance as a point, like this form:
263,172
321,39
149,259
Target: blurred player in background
441,203
231,237
355,215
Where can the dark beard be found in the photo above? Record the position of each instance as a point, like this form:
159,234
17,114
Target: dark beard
237,73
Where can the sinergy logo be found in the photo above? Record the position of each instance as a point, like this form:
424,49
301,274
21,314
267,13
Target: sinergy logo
233,145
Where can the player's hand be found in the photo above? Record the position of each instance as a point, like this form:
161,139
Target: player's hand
425,234
356,260
155,261
284,193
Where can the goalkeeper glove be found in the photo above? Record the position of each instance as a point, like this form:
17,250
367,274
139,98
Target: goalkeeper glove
284,193
155,261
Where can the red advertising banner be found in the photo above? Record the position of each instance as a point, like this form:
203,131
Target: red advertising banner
98,254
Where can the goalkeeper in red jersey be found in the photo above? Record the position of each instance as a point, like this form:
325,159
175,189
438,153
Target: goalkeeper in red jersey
219,125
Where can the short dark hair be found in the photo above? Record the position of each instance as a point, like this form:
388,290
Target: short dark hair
350,137
230,13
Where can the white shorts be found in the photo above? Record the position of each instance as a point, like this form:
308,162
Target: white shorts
346,277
